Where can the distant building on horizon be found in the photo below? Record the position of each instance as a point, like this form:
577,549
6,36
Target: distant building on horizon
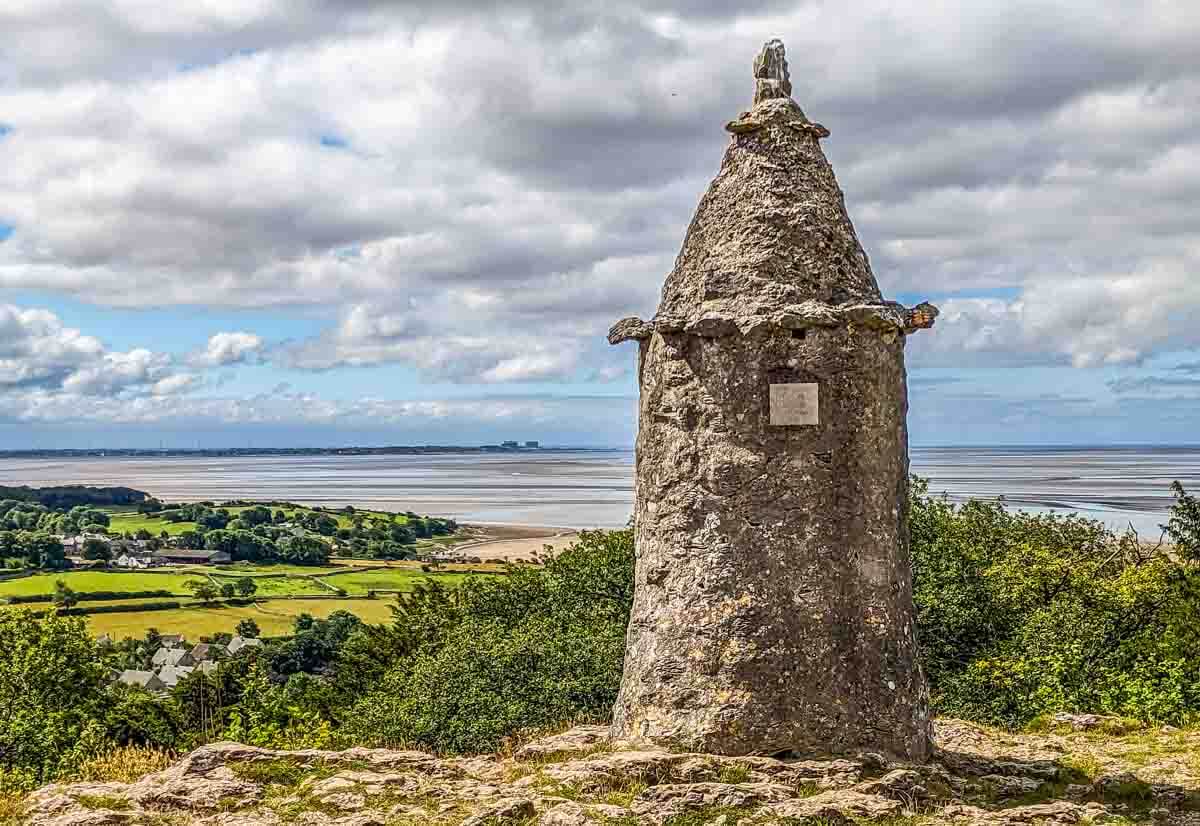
511,445
534,444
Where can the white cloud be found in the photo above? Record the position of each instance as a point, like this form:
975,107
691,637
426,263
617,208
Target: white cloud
496,190
224,349
1078,321
42,360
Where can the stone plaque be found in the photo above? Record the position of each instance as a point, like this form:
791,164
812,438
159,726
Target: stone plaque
794,404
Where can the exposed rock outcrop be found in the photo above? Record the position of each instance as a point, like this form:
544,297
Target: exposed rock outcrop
576,779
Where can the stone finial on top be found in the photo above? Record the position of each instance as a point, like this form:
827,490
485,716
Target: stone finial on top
771,78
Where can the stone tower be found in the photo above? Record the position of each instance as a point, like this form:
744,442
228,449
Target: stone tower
773,605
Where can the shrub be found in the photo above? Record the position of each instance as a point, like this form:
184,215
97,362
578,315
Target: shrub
20,599
499,655
1020,615
119,608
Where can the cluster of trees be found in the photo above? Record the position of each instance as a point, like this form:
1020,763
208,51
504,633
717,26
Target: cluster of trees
25,516
259,533
63,497
32,549
61,709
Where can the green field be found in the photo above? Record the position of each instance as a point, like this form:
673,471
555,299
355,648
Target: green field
43,583
134,522
277,586
274,618
387,579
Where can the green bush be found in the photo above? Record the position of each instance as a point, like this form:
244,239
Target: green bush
118,608
52,679
1020,615
98,596
472,666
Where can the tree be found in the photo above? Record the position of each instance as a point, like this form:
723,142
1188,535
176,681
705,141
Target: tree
52,679
1184,524
203,590
258,515
96,549
248,628
42,549
228,590
247,587
64,596
304,550
192,540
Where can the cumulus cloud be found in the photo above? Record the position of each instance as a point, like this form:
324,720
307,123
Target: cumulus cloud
480,196
38,352
43,363
224,349
1101,319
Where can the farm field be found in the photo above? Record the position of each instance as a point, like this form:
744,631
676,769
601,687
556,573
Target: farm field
277,586
391,579
134,522
43,583
274,618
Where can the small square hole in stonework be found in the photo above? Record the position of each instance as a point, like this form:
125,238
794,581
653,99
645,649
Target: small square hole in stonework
800,334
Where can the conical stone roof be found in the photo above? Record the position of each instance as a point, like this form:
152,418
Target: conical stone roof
771,242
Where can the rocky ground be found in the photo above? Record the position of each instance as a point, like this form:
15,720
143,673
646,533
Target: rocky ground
1081,770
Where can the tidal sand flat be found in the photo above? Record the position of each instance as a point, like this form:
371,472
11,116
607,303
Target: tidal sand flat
594,489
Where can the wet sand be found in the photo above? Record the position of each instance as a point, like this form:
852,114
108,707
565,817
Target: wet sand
500,542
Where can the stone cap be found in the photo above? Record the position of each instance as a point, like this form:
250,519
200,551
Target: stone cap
885,316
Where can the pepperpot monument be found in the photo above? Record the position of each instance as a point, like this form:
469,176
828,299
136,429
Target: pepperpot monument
773,605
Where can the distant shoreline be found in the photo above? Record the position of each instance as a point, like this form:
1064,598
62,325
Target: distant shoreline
191,453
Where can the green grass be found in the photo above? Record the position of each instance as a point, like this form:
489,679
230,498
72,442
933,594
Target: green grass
134,522
110,802
274,618
43,583
278,586
387,579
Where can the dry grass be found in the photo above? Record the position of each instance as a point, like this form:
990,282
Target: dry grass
126,764
12,807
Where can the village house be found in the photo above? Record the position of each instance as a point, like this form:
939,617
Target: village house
239,643
170,675
172,662
172,657
207,651
144,679
135,561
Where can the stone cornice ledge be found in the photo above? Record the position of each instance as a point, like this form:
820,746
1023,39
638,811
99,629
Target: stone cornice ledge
887,316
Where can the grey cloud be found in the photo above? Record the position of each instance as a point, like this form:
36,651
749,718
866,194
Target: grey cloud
524,171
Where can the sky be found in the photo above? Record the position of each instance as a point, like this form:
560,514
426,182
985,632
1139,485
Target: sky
331,222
